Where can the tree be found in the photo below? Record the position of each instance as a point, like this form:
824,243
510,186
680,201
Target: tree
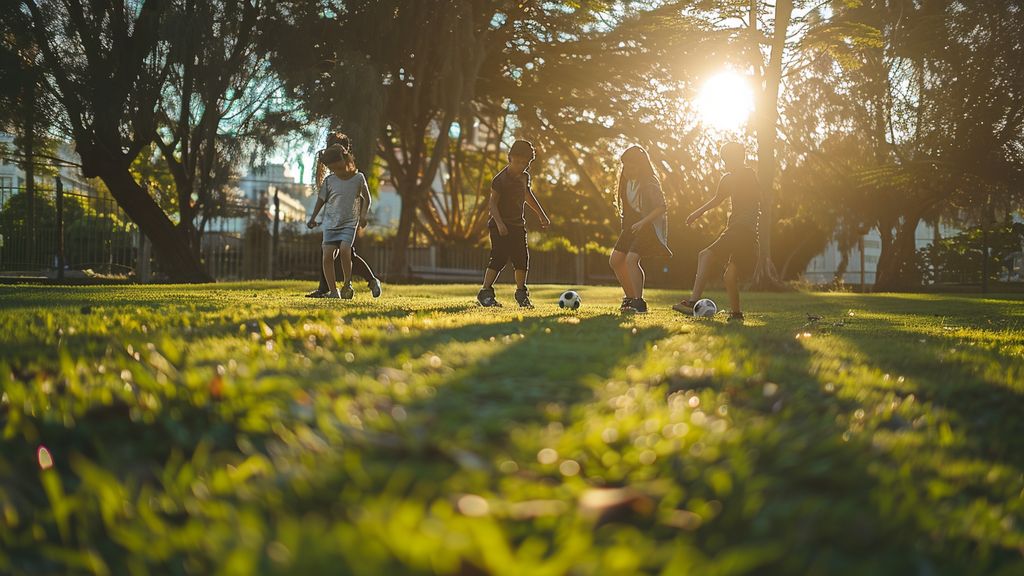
107,89
25,109
219,99
933,100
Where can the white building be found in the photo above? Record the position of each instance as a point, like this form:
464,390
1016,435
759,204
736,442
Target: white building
254,200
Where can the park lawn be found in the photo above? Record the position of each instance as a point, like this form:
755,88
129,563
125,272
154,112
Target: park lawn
240,428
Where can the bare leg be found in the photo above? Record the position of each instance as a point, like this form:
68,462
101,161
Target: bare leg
617,261
704,260
732,288
521,279
490,275
636,273
346,263
328,266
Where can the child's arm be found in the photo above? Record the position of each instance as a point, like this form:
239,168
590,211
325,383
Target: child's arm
321,199
492,204
364,204
316,210
653,196
720,195
654,215
531,201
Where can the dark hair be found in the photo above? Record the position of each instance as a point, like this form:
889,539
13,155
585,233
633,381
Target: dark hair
522,149
634,155
343,150
733,152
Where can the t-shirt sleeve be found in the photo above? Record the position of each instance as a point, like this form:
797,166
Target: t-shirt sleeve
323,192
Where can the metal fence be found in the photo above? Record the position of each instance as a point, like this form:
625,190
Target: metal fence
91,231
98,237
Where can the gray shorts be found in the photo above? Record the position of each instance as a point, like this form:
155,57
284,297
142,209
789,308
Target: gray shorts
340,237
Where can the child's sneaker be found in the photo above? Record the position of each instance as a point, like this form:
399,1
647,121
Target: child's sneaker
346,292
684,306
332,294
486,298
375,289
625,303
637,305
523,298
736,317
316,294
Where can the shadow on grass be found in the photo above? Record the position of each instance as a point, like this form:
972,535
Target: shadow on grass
952,372
827,499
545,361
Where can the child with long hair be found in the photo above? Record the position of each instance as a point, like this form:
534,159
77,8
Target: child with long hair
644,226
346,197
359,266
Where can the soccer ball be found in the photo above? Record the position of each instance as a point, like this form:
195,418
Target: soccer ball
704,308
569,300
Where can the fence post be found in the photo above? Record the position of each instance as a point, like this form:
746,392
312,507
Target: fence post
60,227
277,223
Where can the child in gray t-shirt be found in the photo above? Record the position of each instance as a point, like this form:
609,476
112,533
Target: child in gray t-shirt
345,198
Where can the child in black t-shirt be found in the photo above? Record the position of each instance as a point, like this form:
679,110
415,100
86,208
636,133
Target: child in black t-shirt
510,193
737,245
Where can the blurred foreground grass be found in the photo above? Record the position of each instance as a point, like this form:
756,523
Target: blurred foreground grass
240,428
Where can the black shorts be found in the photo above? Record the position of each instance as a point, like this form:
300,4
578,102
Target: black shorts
509,247
646,243
737,246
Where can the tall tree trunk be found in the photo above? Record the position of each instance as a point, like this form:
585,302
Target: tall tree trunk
766,114
895,271
398,266
844,263
175,257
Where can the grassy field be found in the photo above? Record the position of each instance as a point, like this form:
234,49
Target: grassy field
240,428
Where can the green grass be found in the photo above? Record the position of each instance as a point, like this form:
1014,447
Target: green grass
240,428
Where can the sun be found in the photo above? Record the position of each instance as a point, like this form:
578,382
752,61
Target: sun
725,101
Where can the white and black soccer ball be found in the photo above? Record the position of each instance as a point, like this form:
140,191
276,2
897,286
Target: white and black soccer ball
704,308
570,300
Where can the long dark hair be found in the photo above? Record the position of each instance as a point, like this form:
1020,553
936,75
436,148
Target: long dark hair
342,140
634,156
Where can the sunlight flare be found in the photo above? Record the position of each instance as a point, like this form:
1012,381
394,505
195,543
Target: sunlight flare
725,101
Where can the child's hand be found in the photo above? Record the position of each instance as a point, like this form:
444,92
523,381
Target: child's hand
363,222
545,222
637,227
502,229
311,224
